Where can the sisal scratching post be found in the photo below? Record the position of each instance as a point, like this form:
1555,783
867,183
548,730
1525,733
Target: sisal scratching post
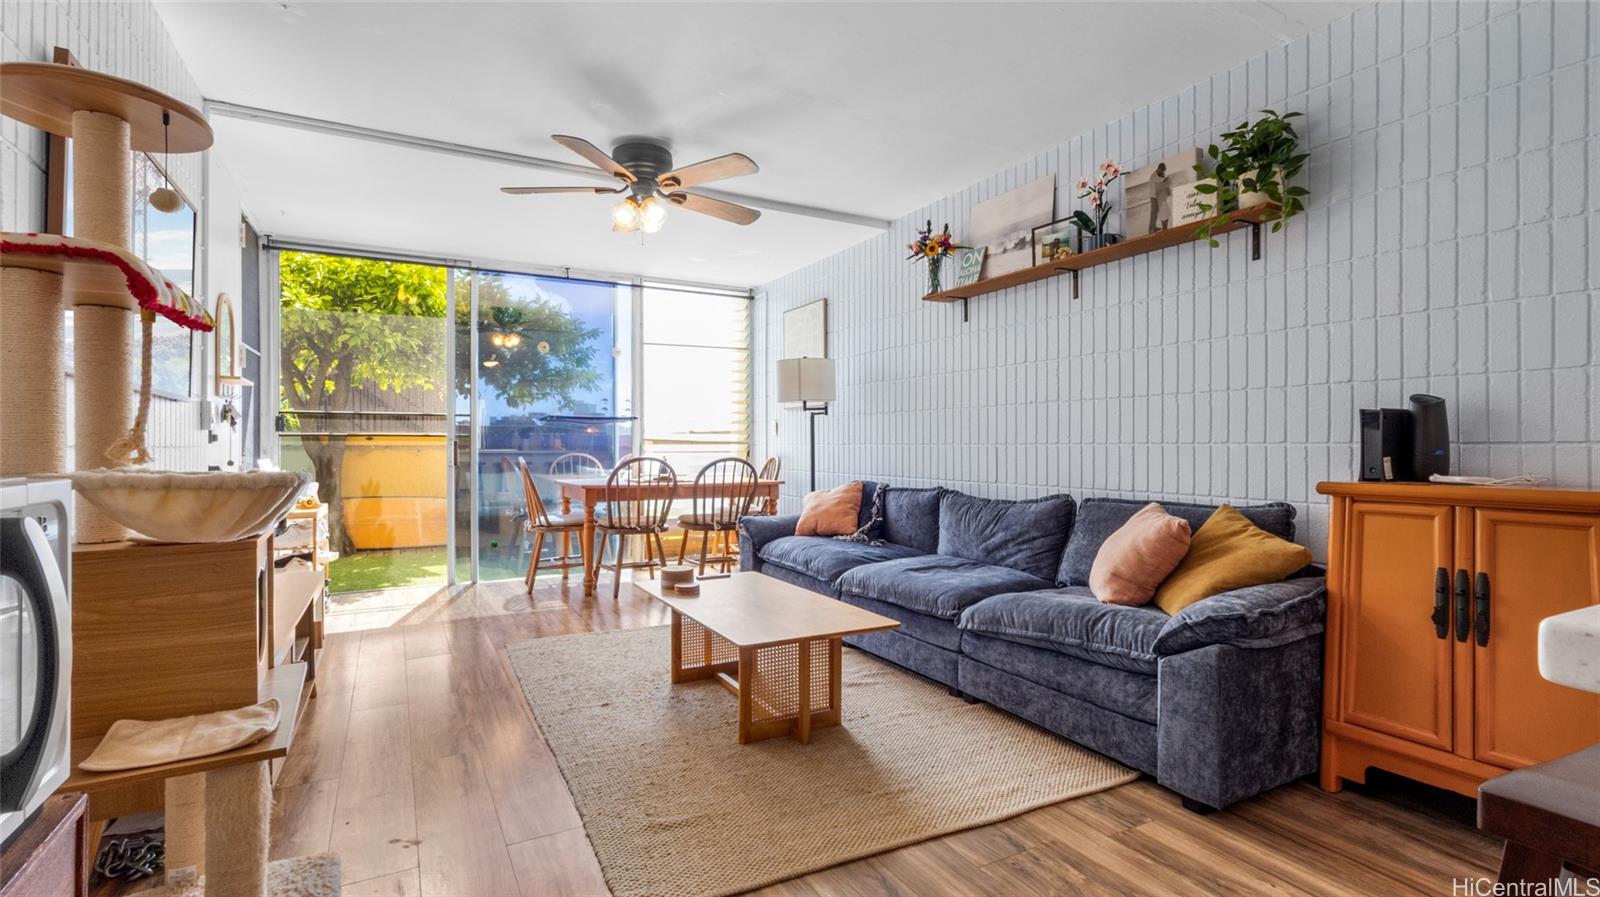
32,388
239,817
102,384
102,179
186,828
102,377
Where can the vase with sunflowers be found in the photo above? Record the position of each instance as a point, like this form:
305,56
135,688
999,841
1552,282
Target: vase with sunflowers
933,247
1092,224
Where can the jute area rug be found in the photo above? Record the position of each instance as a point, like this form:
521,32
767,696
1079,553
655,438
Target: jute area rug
674,805
312,876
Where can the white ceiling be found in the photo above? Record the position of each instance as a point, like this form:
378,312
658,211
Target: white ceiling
867,108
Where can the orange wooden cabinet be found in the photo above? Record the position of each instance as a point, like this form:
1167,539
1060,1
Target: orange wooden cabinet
1435,594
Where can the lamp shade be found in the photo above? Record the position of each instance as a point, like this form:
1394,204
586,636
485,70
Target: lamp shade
805,380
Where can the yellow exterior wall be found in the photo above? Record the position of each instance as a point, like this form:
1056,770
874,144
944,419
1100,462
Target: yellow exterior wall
394,491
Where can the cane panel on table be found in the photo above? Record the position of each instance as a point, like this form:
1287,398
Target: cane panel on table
699,647
775,681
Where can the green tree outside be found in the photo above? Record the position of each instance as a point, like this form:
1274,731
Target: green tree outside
350,324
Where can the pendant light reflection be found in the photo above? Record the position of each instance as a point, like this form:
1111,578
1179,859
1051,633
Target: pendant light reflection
501,339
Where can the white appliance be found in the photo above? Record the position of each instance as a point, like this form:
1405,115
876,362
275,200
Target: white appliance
35,645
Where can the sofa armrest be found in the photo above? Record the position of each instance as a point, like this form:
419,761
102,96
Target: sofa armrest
1234,722
1254,617
755,532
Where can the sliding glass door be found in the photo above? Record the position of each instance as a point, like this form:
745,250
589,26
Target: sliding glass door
411,391
547,366
363,394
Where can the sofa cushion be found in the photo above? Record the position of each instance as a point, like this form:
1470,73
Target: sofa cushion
935,584
1071,621
1229,553
1135,559
1258,617
830,512
1023,535
1130,694
826,559
932,630
911,517
1098,518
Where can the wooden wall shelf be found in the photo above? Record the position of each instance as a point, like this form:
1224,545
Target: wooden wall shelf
1172,236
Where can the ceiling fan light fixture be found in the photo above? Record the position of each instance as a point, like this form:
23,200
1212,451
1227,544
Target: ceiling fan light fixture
650,181
652,214
625,215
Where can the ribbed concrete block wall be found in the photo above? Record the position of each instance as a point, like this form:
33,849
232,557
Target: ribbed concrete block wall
1451,246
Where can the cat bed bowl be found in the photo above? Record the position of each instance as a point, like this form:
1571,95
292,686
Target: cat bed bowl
173,506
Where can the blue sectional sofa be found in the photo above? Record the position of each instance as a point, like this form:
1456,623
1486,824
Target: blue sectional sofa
1219,702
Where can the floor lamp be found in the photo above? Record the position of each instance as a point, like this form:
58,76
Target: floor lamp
807,382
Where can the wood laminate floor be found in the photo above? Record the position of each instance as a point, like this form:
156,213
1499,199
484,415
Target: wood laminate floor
420,763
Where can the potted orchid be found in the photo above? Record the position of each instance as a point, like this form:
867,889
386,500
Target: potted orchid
933,247
1092,224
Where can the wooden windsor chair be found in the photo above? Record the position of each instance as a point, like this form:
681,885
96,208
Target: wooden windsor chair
771,469
542,523
577,464
724,491
638,503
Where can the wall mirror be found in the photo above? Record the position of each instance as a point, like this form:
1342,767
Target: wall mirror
229,370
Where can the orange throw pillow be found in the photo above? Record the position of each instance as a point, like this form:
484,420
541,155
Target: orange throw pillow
830,512
1133,561
1229,552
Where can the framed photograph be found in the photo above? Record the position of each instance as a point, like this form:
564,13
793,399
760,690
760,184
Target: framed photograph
1149,194
805,331
1004,225
1054,241
969,265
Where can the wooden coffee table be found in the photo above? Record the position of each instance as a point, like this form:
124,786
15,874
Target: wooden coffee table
774,645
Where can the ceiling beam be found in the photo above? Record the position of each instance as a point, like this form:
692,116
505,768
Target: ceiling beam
467,151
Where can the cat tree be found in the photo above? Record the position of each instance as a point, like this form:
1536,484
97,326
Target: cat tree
224,800
107,287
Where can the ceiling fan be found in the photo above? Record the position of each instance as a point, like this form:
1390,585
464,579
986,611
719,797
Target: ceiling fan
644,166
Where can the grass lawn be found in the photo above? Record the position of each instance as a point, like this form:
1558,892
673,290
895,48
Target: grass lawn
365,571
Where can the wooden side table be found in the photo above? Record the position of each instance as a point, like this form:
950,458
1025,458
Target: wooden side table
1549,814
50,856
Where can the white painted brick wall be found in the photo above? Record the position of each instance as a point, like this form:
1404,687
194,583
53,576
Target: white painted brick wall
1456,172
125,38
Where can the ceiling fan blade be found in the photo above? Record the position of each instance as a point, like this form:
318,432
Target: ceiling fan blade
716,208
522,191
595,155
730,166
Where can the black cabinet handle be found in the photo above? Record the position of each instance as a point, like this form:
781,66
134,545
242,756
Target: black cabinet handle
1481,624
1441,603
1463,608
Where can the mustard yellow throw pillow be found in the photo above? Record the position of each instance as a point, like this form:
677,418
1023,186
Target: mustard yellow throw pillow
1228,552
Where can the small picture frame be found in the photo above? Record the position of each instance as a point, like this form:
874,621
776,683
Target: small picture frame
1053,242
969,265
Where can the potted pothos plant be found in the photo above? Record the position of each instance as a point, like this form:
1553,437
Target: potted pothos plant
1253,167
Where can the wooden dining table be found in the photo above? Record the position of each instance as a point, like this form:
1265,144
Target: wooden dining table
591,491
